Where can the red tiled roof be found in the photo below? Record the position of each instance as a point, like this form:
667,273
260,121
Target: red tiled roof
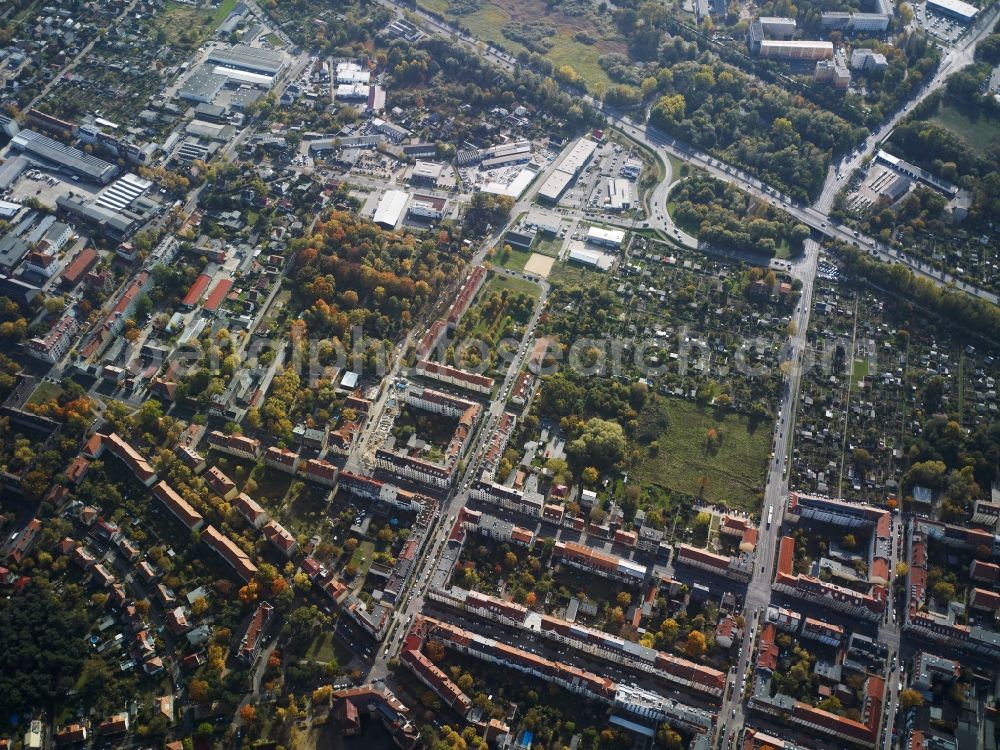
319,468
279,536
449,692
248,507
698,554
197,289
130,456
80,265
984,599
232,554
77,469
177,505
255,629
786,555
218,481
218,294
767,654
984,571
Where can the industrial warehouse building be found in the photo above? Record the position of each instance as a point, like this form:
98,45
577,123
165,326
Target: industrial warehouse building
954,9
606,237
116,225
557,182
426,172
390,209
579,253
68,159
202,86
251,59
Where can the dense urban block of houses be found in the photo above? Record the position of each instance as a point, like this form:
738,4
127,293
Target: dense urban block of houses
599,563
508,498
381,704
635,702
594,642
738,567
938,627
869,606
440,475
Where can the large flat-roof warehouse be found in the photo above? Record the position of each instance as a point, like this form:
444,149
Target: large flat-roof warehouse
203,85
253,59
70,159
568,169
954,8
390,209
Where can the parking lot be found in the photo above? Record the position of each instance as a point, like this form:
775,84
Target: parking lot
946,30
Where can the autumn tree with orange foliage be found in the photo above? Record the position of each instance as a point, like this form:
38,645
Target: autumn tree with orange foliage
350,272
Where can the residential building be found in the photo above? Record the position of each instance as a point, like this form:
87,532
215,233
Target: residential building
498,529
784,619
221,484
737,567
442,686
280,537
227,549
455,376
867,60
599,563
253,638
795,50
319,471
869,606
178,506
528,503
251,511
60,338
777,25
928,666
824,632
235,445
832,72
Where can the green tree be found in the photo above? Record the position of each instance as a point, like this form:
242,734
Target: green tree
910,698
602,444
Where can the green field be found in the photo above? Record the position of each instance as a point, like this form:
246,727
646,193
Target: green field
573,274
859,370
224,9
514,261
488,21
44,393
325,648
186,26
517,286
548,246
981,134
734,473
362,559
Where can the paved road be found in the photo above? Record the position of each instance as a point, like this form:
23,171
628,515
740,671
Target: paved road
459,495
